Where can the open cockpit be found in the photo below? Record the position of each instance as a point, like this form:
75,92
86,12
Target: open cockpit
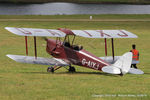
69,42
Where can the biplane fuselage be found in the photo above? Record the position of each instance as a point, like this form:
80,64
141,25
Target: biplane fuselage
74,55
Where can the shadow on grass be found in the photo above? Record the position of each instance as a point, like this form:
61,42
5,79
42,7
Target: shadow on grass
89,73
75,73
147,73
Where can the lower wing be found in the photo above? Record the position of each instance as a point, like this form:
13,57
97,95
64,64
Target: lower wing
38,60
110,60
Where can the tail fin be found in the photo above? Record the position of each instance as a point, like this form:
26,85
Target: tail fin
124,62
121,66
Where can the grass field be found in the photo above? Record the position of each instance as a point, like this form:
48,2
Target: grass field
32,82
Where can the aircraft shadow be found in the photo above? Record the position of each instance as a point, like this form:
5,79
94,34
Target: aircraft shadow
147,73
89,73
75,73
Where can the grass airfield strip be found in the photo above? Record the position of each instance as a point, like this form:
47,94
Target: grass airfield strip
102,17
25,81
81,20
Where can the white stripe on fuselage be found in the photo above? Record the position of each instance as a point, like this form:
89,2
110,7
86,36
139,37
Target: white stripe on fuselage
93,57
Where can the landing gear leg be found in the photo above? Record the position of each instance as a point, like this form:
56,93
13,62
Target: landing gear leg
50,69
121,74
72,69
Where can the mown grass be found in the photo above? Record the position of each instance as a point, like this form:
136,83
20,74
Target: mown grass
25,81
102,16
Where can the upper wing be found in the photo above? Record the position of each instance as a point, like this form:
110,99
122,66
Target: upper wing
104,33
36,32
63,32
39,60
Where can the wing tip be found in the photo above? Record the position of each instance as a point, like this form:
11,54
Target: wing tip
7,28
9,56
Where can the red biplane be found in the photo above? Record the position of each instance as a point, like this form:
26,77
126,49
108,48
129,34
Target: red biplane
65,53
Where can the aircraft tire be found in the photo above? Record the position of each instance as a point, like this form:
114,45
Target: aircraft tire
50,69
72,69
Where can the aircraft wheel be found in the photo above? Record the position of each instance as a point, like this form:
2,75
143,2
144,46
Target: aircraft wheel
121,74
72,69
50,69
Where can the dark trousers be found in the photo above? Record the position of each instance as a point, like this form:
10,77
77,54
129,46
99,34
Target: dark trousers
133,65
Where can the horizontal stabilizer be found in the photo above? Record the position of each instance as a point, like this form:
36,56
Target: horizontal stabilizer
38,60
111,70
135,71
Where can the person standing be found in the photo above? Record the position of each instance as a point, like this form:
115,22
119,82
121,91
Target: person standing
135,57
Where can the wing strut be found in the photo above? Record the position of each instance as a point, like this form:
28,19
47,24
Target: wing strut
105,47
26,43
35,49
112,42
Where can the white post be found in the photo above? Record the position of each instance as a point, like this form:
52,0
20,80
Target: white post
91,18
